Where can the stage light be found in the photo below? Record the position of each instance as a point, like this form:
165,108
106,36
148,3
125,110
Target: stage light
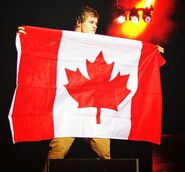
147,17
121,19
134,16
123,14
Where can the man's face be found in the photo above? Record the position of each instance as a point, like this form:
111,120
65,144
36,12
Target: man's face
89,25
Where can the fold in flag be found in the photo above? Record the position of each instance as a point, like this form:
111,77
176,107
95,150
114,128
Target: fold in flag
72,84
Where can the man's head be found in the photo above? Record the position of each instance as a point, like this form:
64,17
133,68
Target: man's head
87,20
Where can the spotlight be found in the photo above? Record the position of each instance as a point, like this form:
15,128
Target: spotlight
120,14
134,16
147,17
121,19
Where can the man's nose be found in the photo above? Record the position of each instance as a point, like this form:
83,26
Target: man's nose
95,26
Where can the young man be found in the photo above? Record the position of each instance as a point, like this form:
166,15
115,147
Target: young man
86,21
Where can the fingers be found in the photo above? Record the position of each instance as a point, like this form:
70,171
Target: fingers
21,29
160,49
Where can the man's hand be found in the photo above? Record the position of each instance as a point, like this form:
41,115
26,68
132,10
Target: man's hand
21,29
160,49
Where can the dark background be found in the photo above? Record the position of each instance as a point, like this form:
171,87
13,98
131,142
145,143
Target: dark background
59,14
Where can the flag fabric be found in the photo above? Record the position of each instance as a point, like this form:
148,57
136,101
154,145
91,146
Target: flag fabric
72,84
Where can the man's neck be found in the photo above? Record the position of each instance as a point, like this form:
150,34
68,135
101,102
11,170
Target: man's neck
77,30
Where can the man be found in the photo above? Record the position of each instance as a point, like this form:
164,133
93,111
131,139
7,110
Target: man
86,22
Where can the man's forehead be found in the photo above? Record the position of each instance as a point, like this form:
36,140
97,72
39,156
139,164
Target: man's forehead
91,17
90,14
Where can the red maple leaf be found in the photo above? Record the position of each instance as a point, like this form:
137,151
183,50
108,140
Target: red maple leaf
97,91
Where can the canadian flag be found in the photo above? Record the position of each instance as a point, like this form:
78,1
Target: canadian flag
72,84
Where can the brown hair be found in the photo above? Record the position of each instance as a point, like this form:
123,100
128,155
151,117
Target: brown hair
85,11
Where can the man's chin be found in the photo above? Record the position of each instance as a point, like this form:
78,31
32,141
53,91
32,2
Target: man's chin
93,32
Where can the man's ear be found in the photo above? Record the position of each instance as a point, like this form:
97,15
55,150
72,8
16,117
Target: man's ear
78,23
